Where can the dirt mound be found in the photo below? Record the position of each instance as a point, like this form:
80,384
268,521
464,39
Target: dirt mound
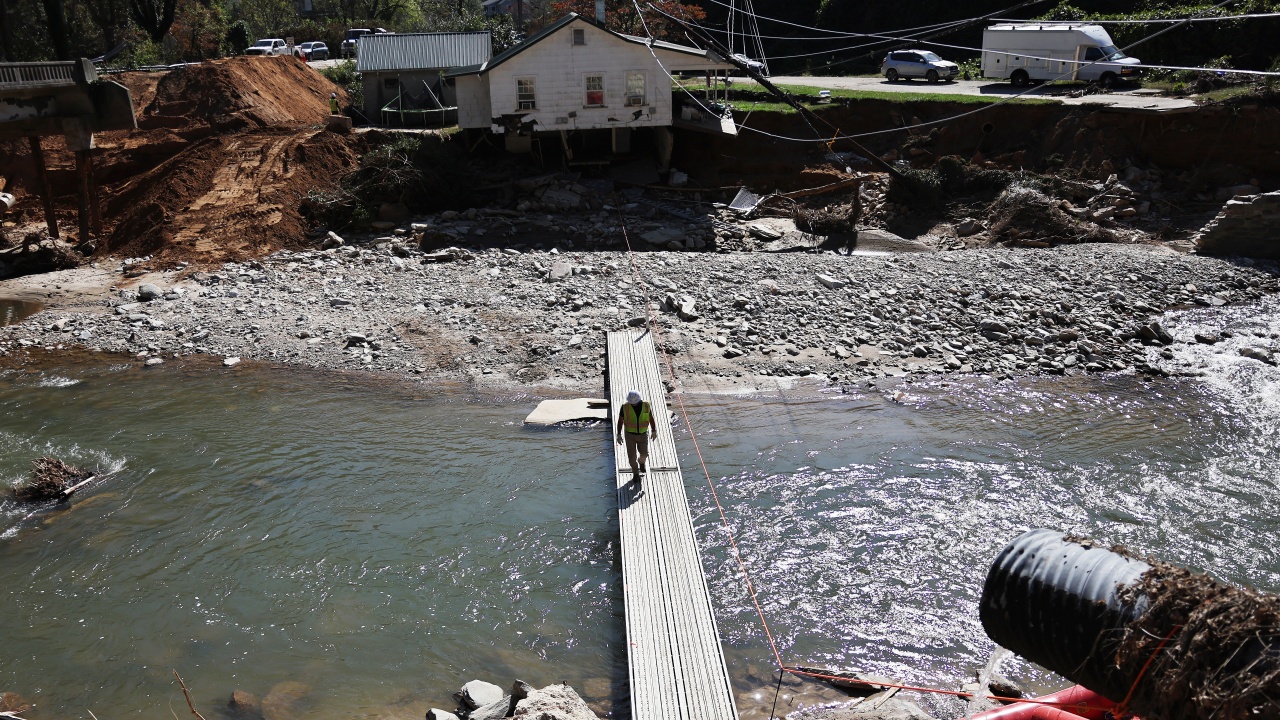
224,157
258,91
228,197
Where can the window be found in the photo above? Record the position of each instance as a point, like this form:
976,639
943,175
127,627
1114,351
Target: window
595,91
635,89
579,36
1092,54
526,98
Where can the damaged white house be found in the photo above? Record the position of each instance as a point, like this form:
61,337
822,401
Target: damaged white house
591,87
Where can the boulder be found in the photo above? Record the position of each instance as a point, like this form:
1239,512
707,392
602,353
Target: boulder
283,701
495,710
687,309
438,714
554,702
148,292
560,270
394,212
332,240
479,693
664,236
1259,354
245,704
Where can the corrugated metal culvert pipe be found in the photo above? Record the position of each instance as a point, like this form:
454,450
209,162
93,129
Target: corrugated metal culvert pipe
1054,602
1169,643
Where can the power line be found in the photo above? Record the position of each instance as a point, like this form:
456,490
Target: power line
1153,21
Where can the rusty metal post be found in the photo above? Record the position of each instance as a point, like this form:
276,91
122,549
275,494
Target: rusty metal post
42,184
82,176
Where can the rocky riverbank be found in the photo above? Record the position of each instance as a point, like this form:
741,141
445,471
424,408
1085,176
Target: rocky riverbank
521,317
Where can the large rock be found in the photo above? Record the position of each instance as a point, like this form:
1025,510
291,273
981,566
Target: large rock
479,693
560,270
554,702
282,703
438,714
245,704
876,707
148,292
496,710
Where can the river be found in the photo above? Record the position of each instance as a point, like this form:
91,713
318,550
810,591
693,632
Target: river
384,544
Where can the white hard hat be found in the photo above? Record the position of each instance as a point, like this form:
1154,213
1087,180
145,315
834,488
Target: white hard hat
633,397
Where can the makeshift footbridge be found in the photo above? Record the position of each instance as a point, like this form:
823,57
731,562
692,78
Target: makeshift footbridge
676,664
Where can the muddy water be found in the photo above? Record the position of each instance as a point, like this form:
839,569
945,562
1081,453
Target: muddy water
13,312
264,527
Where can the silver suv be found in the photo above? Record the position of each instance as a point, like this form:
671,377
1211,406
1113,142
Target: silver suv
907,64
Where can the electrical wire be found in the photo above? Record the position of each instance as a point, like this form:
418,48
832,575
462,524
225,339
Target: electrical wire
1153,21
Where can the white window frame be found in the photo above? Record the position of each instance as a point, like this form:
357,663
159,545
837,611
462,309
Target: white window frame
632,97
586,91
532,101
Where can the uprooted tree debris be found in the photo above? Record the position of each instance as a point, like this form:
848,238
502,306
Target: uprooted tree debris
1208,649
51,479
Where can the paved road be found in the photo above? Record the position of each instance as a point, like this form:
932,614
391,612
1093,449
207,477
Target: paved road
1135,99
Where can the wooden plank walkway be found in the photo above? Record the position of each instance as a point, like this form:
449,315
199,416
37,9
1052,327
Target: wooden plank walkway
676,665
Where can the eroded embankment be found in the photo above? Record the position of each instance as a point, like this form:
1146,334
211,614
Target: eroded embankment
1212,146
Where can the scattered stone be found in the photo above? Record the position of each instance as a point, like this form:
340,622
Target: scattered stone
554,702
1259,354
332,240
1208,338
479,693
230,361
829,282
152,362
560,270
148,292
438,714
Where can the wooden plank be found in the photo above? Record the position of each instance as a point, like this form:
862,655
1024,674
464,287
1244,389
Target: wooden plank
676,663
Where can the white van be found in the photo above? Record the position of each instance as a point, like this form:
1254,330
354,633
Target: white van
1054,51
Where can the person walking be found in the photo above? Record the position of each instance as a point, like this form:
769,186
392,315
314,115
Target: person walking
635,422
333,103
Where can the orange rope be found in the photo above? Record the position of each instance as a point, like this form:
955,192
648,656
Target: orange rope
656,329
1123,707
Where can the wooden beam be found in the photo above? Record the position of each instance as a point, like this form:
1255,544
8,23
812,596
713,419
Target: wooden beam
42,185
82,178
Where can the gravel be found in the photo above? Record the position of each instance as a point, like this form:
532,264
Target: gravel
504,318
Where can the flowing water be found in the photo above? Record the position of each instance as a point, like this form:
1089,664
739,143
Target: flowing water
268,526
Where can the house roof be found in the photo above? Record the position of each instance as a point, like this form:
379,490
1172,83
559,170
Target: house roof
422,51
553,28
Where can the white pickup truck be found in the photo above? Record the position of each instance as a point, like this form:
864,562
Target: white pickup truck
269,46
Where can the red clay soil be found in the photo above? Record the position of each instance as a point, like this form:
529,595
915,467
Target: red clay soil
225,154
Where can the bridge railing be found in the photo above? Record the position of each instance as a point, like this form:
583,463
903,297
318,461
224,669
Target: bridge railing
37,74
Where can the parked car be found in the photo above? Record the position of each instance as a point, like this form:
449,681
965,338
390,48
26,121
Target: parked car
1055,51
351,38
312,51
907,64
270,46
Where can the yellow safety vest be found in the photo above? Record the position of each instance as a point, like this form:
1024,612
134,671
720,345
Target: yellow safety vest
632,423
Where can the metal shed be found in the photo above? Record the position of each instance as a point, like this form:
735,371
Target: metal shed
401,74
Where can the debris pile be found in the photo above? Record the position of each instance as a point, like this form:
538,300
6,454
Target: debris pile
1027,217
50,479
1208,649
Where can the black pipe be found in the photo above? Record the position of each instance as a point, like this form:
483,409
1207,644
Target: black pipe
1054,602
